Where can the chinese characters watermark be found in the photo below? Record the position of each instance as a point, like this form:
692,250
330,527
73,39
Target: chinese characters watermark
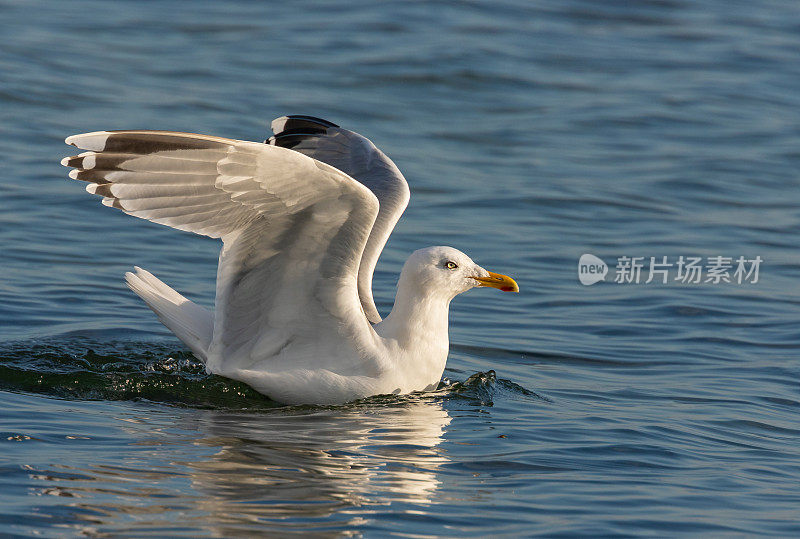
663,270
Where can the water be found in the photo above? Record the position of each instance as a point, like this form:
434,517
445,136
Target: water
531,133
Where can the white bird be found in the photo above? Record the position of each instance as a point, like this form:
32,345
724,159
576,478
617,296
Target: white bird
303,219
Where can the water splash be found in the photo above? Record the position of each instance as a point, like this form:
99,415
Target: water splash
484,387
82,368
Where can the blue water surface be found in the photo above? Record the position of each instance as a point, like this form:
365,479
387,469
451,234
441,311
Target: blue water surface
530,133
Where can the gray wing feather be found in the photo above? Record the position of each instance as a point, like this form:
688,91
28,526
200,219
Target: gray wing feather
357,157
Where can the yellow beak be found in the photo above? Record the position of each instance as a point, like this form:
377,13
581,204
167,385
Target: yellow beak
496,280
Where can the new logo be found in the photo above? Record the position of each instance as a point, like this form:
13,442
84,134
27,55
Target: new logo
591,269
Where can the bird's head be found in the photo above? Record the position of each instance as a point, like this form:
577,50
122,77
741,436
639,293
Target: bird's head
447,271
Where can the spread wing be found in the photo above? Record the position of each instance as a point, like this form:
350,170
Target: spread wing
360,159
293,229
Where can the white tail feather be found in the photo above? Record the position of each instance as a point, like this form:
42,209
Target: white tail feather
190,322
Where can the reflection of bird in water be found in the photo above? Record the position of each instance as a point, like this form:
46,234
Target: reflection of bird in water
303,220
316,463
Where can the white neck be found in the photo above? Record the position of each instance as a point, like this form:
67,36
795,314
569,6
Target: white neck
417,328
414,319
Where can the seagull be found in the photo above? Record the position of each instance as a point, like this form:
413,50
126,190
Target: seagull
303,218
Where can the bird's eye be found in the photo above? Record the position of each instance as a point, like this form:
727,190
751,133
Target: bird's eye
450,265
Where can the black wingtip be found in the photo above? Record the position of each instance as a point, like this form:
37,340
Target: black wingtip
312,119
295,122
289,138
